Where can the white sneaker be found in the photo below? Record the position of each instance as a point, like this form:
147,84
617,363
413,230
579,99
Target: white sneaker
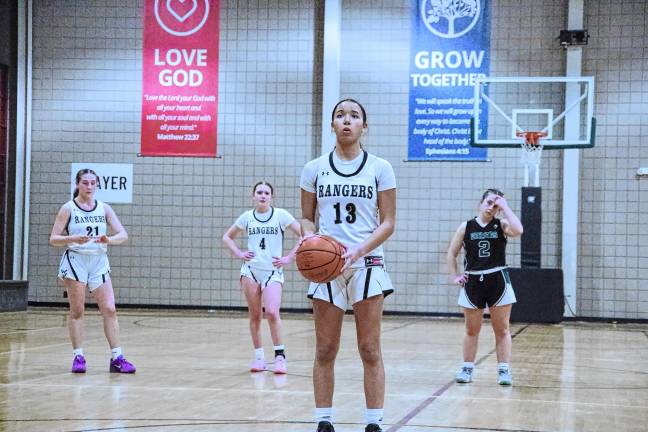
258,365
464,376
504,377
280,366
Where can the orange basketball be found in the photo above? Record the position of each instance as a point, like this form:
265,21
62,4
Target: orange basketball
319,258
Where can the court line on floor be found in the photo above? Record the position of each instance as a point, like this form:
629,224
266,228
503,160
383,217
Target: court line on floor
198,423
413,413
23,331
156,425
86,341
34,382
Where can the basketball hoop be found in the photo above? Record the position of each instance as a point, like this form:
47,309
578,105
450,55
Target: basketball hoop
531,153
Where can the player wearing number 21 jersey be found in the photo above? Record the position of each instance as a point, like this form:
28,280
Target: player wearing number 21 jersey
91,223
85,226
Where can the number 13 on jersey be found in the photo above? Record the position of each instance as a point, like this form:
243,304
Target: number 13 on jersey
350,209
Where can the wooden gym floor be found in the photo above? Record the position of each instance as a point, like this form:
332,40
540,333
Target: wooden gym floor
192,376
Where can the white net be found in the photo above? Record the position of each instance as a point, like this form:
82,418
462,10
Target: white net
531,155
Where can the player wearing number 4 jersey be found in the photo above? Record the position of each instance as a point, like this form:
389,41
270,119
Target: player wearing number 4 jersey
353,194
82,226
485,280
262,269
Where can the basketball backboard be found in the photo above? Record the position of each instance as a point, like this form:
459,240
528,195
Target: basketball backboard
561,107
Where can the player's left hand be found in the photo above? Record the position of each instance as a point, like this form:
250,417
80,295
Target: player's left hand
350,255
500,204
279,262
303,238
102,239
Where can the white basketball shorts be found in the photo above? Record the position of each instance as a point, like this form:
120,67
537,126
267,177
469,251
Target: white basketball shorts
93,270
354,285
263,277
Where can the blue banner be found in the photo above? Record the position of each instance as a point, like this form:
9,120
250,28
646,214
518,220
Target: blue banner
450,48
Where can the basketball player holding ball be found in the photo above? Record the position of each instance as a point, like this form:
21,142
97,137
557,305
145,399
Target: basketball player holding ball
262,270
352,193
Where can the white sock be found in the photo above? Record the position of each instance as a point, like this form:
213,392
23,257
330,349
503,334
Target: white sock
470,365
324,414
375,416
278,347
116,352
259,354
504,366
77,352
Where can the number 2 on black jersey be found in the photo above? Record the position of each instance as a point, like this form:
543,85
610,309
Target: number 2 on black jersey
351,213
484,249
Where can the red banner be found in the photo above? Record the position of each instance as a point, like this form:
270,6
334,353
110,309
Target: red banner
180,78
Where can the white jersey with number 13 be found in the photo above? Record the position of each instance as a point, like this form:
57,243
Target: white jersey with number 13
347,196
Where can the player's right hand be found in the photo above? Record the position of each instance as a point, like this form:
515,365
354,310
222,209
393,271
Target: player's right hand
460,279
247,255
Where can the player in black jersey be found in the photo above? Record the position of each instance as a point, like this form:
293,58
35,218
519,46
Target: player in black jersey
485,280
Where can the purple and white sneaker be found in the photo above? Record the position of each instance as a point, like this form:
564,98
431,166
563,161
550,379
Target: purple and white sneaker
78,364
121,365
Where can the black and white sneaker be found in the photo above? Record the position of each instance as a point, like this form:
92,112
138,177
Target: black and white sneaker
325,426
373,427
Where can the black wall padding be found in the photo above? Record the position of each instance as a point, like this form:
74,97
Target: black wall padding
532,224
539,292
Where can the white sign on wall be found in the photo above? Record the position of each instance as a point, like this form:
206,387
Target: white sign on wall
115,181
